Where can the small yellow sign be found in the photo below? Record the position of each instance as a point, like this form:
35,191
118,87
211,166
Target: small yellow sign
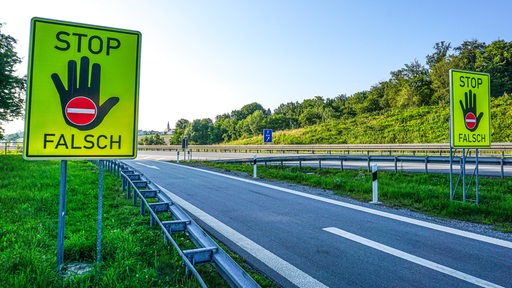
470,109
82,93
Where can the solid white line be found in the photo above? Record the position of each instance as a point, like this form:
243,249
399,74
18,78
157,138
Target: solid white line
146,165
411,258
287,270
474,236
81,110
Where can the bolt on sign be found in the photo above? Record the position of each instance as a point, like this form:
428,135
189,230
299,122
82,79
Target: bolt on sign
83,91
470,109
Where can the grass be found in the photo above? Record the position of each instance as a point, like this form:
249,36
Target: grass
425,193
133,253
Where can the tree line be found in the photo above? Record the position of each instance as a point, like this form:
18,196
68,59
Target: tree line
12,87
415,85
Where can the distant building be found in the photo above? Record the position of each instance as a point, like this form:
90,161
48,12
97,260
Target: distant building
168,130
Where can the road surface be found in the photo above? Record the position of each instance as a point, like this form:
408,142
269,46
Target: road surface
484,169
306,239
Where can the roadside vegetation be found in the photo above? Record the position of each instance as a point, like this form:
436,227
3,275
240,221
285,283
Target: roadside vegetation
133,253
425,193
412,106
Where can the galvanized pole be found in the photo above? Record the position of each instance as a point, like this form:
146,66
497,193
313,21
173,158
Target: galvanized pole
476,187
463,168
100,212
451,173
62,215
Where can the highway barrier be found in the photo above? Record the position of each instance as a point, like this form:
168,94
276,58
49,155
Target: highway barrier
153,201
369,160
440,149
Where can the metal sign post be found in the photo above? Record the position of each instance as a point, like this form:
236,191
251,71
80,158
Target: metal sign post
62,214
100,212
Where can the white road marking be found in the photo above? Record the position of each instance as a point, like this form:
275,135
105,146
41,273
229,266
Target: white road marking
470,235
411,258
146,165
287,270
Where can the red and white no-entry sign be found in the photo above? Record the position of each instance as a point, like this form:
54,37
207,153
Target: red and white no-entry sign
470,120
81,111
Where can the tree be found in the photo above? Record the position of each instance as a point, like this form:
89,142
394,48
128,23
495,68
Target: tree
11,86
291,112
410,86
200,131
440,77
468,53
180,131
247,110
441,50
496,59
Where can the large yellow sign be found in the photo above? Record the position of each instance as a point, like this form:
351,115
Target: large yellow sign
82,97
470,109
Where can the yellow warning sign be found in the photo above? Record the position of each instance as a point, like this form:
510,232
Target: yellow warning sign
82,93
470,109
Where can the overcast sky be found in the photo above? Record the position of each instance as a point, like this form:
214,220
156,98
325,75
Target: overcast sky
204,58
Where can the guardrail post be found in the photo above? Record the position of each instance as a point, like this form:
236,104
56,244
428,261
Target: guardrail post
178,156
341,164
502,171
396,161
255,169
375,191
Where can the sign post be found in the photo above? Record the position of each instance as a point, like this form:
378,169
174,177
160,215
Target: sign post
82,100
470,119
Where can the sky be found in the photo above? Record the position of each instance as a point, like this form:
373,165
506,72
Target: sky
203,58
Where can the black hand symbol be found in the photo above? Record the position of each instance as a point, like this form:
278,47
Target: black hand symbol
83,90
473,121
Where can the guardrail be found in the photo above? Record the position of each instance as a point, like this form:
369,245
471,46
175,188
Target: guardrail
440,149
10,146
207,250
426,160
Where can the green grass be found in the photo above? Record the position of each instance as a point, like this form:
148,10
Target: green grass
133,253
425,193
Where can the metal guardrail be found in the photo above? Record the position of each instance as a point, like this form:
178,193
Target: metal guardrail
207,250
10,146
382,149
502,161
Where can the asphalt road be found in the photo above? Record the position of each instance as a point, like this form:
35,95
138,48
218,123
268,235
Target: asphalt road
305,239
484,169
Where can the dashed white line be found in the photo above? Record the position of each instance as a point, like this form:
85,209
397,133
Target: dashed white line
474,236
411,258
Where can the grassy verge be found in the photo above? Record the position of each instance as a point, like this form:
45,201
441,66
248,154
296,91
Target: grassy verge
133,254
425,193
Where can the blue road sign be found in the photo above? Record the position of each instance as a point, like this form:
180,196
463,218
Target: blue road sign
267,136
